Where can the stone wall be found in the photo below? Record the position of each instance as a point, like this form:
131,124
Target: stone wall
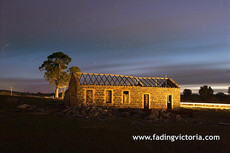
70,98
158,95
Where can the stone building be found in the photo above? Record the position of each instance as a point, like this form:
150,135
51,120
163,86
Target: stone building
122,91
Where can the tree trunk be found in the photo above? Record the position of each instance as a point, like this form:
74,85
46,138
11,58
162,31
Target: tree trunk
63,94
56,92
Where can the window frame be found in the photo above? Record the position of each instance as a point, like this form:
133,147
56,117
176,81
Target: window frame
123,96
111,96
93,94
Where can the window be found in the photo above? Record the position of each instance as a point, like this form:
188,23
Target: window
89,96
125,97
108,96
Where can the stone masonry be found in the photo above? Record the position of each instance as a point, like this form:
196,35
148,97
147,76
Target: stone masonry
158,96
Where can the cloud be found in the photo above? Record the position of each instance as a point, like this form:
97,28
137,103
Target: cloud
25,85
104,26
184,73
187,40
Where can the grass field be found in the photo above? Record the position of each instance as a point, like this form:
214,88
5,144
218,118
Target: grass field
26,132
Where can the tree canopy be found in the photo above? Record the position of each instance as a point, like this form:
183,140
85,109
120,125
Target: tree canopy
56,72
205,92
187,92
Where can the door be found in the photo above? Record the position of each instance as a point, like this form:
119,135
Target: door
108,95
169,102
146,101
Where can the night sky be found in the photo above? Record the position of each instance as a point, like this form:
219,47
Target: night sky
187,40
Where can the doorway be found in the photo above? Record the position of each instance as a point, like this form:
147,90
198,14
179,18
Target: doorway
169,102
146,101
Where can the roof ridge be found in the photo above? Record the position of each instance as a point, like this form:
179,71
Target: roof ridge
104,74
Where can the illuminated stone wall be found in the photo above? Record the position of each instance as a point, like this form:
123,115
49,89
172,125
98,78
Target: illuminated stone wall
158,95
